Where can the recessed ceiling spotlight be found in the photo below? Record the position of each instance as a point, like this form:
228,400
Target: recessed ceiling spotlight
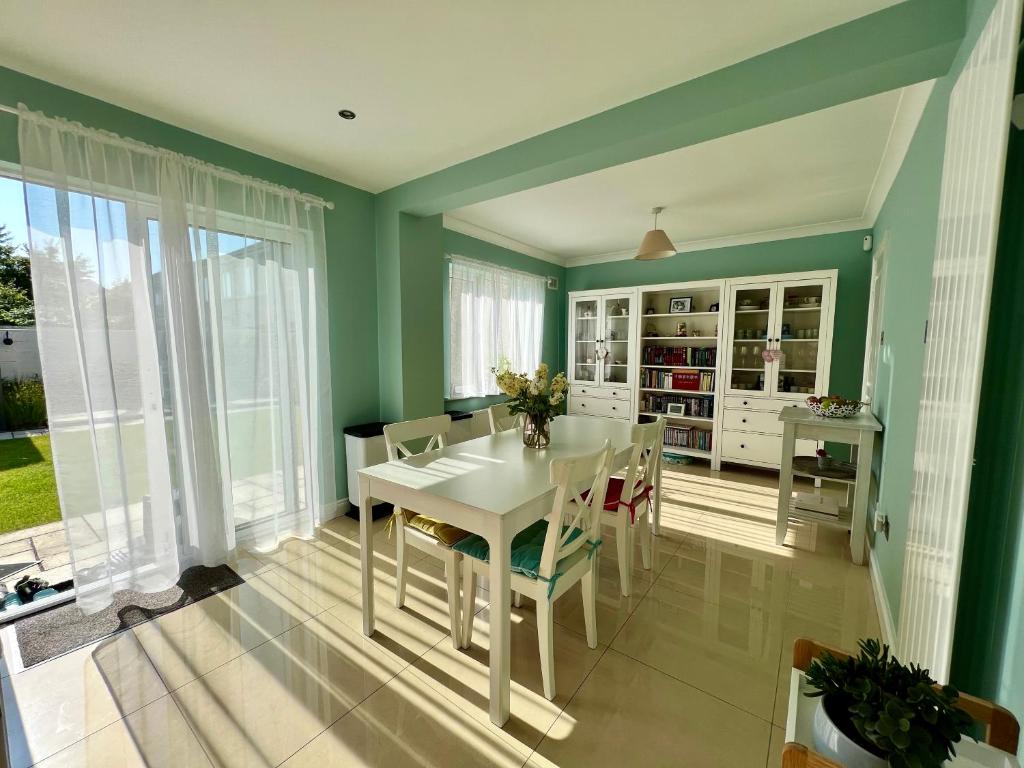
348,114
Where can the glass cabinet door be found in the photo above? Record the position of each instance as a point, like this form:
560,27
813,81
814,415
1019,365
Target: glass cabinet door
614,340
751,317
800,325
583,350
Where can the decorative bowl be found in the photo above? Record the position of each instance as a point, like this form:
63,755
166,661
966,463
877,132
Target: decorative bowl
836,409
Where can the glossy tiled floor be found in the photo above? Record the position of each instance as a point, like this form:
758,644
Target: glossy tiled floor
690,669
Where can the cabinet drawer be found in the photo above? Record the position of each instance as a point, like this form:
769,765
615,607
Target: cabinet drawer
599,406
751,446
610,393
751,421
758,403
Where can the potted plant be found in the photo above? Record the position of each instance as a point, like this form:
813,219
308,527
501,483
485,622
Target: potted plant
874,711
824,460
536,398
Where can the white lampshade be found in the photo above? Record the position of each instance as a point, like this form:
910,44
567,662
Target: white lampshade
655,245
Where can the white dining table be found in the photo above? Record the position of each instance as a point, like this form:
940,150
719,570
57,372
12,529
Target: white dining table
495,487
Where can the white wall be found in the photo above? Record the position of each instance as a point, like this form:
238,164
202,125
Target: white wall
21,359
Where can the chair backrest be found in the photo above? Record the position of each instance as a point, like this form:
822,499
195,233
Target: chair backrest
645,461
433,429
501,420
570,510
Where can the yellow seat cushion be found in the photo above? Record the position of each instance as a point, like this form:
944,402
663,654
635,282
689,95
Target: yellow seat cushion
446,534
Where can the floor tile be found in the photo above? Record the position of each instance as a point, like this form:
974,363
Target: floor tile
627,713
464,675
411,631
265,705
193,640
729,650
410,722
54,704
155,736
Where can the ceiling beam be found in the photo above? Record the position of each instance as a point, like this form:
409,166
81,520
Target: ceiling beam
907,43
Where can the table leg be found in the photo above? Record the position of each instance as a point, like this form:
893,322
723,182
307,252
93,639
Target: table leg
501,615
366,551
785,482
656,507
859,518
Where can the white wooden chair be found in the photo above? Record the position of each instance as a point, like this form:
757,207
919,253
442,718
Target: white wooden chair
426,534
550,556
627,501
501,420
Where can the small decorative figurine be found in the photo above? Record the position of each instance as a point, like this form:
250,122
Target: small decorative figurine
681,329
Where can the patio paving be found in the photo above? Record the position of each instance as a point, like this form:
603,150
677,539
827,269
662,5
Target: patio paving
45,543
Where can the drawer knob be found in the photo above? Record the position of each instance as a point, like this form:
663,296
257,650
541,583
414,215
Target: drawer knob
613,408
744,402
744,421
583,405
742,445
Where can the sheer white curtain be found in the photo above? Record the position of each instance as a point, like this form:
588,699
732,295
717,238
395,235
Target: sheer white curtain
493,313
181,315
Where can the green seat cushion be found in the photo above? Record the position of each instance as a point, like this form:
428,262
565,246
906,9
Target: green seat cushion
447,534
527,547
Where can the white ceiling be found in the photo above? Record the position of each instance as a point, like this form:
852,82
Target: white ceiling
823,171
433,83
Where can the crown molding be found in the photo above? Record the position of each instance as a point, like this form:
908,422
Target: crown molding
494,238
787,233
913,100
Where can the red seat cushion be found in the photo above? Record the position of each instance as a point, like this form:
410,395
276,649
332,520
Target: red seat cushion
641,493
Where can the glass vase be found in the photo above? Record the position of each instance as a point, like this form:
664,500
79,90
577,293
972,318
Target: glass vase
536,431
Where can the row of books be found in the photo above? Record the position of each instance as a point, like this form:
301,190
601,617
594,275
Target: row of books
704,356
654,402
684,379
688,437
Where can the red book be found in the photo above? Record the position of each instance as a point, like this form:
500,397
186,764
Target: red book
684,379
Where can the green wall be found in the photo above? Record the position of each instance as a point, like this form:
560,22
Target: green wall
907,223
351,268
842,251
553,348
988,648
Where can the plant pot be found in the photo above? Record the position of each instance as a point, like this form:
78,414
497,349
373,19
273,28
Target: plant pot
833,743
536,431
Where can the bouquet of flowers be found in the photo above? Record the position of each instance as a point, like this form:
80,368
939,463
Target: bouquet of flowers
537,398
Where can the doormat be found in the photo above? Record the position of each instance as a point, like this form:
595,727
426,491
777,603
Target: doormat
65,628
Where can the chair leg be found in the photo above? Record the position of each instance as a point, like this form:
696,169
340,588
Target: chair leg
400,567
646,539
517,599
468,601
451,569
546,642
588,585
622,546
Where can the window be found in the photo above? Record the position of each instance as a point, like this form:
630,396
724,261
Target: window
494,313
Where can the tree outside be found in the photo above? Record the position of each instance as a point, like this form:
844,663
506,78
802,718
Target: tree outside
16,305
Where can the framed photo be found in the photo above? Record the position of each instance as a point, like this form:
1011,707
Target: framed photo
680,304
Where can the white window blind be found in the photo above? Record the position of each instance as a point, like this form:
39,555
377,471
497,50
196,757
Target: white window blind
493,313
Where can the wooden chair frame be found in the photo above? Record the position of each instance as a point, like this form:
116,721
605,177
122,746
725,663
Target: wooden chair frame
1001,728
501,420
435,430
570,477
644,465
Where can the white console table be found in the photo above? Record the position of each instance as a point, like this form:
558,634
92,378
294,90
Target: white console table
859,431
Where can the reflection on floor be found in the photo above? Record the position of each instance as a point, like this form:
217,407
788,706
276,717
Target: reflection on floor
690,669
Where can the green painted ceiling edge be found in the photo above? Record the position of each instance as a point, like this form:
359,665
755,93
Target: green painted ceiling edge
907,43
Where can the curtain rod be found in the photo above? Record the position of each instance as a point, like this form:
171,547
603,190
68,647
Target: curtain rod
138,146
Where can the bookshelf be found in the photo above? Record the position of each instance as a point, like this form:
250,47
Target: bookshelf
679,365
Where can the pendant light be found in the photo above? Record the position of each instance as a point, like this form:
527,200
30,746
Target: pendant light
656,244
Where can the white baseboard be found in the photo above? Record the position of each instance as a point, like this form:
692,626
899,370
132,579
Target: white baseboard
881,603
335,509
